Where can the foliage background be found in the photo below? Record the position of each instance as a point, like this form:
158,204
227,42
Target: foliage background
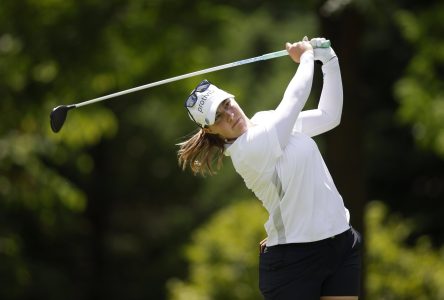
101,209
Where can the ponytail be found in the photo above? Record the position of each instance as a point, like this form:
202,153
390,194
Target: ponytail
202,152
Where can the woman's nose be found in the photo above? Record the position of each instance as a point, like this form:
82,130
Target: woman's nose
230,114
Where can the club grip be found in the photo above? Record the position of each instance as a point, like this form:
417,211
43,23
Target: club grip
325,44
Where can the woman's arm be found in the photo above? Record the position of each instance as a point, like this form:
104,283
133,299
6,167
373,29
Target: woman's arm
297,92
328,114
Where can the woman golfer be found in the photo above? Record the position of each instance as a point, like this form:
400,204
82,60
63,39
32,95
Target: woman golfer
311,251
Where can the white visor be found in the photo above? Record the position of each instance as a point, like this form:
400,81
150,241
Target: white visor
203,102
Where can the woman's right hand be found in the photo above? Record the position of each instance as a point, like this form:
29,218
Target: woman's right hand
296,50
262,245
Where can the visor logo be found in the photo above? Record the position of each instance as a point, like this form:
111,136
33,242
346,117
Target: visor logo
203,100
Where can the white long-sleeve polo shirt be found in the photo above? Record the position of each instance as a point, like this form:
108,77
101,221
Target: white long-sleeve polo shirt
286,170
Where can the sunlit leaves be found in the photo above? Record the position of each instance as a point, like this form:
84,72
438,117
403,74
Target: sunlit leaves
84,127
421,90
45,71
409,25
30,183
223,256
396,270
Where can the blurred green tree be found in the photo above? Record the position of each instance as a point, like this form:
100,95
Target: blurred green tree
99,210
41,235
398,268
223,256
420,90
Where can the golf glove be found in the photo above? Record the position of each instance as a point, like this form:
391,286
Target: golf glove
324,55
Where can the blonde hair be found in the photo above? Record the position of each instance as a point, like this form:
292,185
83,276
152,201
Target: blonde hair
202,152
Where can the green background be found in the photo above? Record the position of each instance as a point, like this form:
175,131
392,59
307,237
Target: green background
101,210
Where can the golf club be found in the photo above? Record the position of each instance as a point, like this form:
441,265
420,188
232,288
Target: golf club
58,114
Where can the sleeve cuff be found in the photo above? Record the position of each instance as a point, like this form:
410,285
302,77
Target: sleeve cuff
307,55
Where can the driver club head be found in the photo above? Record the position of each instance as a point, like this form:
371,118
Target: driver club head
58,116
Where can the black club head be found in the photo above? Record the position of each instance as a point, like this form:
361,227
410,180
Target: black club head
58,116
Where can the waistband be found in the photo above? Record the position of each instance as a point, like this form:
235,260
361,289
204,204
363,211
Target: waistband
340,235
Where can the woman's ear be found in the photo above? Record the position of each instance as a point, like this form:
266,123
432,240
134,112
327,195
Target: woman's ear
206,130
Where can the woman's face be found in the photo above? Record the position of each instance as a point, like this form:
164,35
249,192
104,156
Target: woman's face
231,122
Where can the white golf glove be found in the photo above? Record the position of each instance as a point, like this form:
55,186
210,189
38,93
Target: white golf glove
322,54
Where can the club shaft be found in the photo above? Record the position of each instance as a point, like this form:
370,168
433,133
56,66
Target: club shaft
196,73
180,77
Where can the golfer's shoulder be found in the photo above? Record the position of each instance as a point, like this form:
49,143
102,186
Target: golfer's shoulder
262,117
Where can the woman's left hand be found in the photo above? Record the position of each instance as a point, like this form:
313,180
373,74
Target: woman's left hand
296,50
